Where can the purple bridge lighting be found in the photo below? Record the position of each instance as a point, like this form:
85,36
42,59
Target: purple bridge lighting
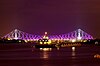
77,34
17,34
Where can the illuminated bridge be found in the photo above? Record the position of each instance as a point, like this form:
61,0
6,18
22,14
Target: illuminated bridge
17,34
77,34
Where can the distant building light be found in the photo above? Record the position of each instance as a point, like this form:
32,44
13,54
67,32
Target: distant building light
41,43
46,33
8,38
45,42
19,41
73,40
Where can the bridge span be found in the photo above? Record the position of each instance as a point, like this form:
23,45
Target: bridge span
74,35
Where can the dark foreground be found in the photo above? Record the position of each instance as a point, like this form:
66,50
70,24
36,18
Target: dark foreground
20,55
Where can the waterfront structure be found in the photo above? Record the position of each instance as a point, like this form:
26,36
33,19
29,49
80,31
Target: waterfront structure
17,34
73,36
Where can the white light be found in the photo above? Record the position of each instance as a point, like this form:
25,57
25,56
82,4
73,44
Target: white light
73,40
16,38
79,34
45,32
79,38
73,48
46,49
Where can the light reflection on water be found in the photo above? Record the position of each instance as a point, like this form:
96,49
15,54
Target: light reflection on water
67,56
58,48
73,49
45,54
73,52
45,49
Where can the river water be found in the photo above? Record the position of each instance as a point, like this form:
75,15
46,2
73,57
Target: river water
30,56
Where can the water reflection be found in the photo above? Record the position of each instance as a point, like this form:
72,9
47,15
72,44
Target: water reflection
73,49
73,52
58,48
45,49
45,54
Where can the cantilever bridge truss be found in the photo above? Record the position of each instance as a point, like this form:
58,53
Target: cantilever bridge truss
77,34
17,34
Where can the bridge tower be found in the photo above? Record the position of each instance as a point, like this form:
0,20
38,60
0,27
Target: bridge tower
77,34
17,34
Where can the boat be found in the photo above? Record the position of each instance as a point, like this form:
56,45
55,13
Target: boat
97,56
45,42
45,46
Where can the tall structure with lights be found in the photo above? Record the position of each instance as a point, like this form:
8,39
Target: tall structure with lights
76,35
79,34
45,36
17,34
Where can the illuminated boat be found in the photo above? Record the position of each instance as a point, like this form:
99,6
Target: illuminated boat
45,46
97,56
45,42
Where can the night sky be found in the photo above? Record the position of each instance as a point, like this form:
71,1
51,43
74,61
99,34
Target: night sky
53,16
